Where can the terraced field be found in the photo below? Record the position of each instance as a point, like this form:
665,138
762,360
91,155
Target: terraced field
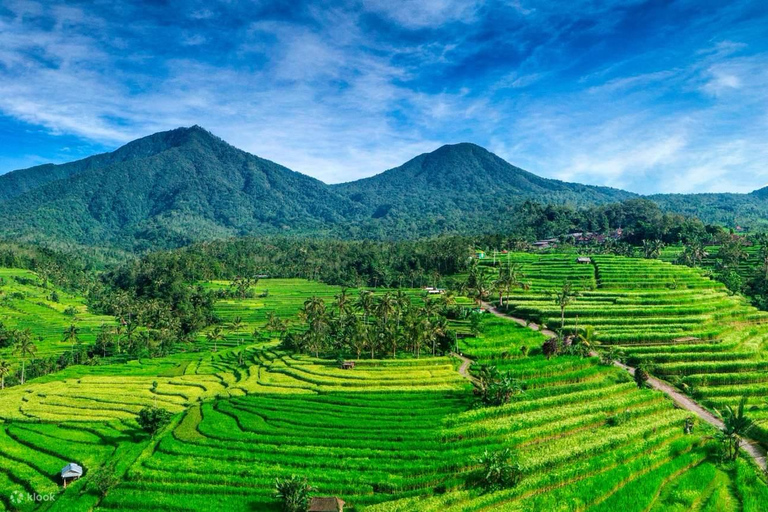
26,304
587,440
284,298
685,326
395,434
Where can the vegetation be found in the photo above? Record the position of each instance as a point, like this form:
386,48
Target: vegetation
153,419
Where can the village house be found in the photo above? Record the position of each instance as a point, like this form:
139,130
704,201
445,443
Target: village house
326,504
71,472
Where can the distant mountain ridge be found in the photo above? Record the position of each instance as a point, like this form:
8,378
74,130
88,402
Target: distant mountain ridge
186,185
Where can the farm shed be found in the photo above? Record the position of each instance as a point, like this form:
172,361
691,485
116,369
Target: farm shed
347,365
327,504
583,259
71,472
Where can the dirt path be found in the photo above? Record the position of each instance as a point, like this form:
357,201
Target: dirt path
535,327
464,368
750,446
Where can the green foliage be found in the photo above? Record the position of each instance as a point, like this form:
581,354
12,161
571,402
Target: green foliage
104,479
293,493
153,419
500,470
641,376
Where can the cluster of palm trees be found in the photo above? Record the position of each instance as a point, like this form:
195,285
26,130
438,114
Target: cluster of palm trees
481,281
25,348
375,325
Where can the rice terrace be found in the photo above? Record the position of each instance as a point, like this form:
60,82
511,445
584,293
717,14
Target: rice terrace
382,312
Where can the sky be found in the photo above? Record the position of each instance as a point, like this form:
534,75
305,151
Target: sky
648,96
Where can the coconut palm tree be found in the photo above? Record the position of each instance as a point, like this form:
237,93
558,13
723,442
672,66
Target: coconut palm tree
735,426
5,370
215,336
236,324
343,306
564,297
25,348
364,303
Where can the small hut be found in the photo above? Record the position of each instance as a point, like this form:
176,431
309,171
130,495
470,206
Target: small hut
583,259
71,472
347,365
326,504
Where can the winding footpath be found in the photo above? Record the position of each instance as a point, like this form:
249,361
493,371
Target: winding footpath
465,364
750,446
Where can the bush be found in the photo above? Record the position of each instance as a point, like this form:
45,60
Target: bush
641,376
501,470
294,493
153,419
104,479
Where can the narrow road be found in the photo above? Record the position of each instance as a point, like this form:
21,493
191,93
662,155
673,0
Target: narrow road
750,446
535,327
464,368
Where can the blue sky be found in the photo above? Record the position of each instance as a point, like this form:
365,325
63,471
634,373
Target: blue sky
650,96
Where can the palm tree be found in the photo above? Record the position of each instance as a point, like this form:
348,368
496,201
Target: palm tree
25,348
236,324
563,298
365,303
215,336
735,426
386,306
5,370
71,336
275,324
652,249
510,277
343,306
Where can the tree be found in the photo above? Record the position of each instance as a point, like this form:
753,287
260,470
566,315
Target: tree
236,324
24,348
104,479
5,370
276,324
71,335
365,303
564,297
641,376
293,493
510,277
153,419
496,388
500,470
736,425
215,336
652,249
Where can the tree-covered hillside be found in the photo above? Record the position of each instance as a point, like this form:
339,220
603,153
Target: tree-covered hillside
175,188
186,185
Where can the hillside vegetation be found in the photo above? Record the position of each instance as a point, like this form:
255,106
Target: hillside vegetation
174,188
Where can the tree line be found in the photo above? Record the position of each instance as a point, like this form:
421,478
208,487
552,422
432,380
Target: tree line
378,326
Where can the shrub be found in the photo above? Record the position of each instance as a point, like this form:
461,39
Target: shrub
641,376
294,493
153,419
104,479
501,470
551,347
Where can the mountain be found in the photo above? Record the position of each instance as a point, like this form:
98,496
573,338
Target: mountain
166,190
185,185
464,178
16,183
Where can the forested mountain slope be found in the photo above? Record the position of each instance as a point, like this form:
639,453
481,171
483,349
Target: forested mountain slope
177,187
186,185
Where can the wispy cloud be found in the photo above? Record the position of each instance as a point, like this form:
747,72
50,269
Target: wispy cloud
596,92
